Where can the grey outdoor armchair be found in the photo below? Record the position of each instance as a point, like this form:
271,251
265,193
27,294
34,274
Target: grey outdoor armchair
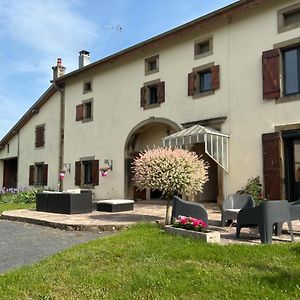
188,209
295,214
233,204
265,216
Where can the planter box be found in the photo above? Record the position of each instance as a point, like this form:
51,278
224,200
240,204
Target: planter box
64,203
208,236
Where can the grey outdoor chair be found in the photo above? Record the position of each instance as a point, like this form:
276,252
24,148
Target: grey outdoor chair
295,214
233,204
265,216
188,209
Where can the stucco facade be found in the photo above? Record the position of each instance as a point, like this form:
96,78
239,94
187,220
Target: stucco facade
120,127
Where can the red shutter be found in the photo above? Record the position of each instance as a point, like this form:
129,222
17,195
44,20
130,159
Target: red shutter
78,173
95,172
270,69
271,143
40,136
215,77
31,174
191,84
45,175
161,92
79,112
143,96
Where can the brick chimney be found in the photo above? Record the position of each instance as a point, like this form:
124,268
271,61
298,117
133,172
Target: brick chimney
84,58
58,70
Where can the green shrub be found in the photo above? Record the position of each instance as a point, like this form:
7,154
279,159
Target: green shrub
13,195
254,188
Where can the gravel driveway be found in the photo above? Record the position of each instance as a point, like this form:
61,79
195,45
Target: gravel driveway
23,244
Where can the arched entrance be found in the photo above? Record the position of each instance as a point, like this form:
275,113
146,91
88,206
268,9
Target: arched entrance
147,134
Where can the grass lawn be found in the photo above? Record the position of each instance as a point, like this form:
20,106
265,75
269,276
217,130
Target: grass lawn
145,263
12,206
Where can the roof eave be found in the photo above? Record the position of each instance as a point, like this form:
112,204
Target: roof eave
224,12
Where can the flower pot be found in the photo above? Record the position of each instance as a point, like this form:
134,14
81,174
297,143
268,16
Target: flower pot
207,236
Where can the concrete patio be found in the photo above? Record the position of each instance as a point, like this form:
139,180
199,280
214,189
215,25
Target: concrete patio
144,211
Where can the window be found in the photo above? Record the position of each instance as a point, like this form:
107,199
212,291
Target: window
288,18
84,111
204,84
291,71
151,65
40,136
203,80
152,94
203,47
87,172
7,148
281,71
38,174
87,86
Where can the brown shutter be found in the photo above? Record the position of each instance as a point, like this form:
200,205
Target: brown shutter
95,172
45,174
161,92
31,174
40,136
78,173
272,165
191,84
270,69
143,96
215,77
79,112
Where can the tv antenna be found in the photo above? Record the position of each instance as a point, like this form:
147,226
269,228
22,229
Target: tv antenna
117,28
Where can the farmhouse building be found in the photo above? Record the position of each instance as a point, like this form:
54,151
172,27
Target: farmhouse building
230,79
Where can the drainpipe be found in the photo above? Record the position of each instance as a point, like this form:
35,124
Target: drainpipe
61,90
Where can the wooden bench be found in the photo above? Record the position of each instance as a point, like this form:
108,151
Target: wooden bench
115,205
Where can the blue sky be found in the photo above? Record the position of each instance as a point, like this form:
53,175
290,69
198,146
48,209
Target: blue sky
33,33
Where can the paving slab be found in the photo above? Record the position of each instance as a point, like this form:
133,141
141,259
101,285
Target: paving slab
144,211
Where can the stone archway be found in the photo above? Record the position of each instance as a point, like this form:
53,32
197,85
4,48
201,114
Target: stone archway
146,134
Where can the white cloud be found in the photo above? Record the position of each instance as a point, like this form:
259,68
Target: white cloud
51,28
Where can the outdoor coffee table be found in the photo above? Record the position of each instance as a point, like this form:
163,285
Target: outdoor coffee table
115,205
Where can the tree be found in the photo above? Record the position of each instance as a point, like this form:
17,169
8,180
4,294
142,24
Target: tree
171,171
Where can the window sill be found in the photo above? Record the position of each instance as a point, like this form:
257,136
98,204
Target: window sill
87,186
285,99
87,91
86,120
149,106
39,148
198,56
204,94
151,72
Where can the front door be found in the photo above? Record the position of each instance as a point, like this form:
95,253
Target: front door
292,164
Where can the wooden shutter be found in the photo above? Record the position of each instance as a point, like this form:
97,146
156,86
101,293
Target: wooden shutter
271,74
31,174
215,77
78,173
161,92
143,96
191,84
271,144
95,172
79,112
45,174
40,136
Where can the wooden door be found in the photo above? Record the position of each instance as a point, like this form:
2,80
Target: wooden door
271,145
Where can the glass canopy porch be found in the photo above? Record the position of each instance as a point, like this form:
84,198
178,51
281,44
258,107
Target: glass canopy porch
216,143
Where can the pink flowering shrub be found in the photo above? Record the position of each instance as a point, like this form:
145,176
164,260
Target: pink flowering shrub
171,171
189,223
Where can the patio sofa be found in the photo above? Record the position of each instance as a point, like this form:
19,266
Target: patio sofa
64,203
